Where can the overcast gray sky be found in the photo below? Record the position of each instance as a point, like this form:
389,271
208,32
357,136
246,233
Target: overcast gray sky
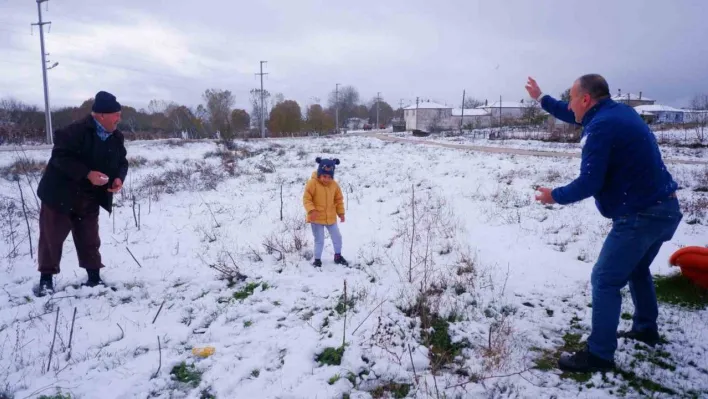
174,50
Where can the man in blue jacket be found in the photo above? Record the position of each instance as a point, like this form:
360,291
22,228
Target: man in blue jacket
621,167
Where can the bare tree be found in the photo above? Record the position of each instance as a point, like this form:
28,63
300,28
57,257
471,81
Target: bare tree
346,101
257,115
532,113
218,106
472,103
699,116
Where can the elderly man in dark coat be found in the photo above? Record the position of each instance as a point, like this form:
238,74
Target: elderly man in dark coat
87,166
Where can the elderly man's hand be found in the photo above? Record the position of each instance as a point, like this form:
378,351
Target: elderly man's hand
117,186
544,196
533,89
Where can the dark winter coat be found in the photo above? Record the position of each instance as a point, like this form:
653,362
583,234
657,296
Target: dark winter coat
621,163
77,151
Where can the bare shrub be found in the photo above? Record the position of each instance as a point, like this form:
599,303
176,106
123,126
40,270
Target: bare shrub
695,210
229,159
291,238
22,166
227,268
498,352
266,166
191,176
136,162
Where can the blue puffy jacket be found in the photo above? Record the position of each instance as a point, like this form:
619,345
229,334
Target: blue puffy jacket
621,163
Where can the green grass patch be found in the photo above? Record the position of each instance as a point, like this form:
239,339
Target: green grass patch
331,356
443,349
548,359
677,289
255,373
187,374
248,290
334,379
342,306
396,390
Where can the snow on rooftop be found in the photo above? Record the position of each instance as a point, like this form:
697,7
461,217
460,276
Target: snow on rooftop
630,96
505,104
469,112
428,105
656,108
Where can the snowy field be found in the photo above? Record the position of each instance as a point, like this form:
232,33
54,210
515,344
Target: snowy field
676,144
460,285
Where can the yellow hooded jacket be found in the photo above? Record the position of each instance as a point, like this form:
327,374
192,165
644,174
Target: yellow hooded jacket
327,200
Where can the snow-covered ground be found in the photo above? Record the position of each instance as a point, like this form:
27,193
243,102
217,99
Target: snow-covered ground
472,257
676,144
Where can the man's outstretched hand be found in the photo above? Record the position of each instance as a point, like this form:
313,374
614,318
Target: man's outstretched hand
117,186
533,89
544,196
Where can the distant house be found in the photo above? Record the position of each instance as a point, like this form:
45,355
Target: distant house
427,116
355,123
632,100
656,113
507,109
695,116
476,117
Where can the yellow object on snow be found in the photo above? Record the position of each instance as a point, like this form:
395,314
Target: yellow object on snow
205,351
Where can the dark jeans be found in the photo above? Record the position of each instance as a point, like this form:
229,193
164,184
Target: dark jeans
625,258
55,226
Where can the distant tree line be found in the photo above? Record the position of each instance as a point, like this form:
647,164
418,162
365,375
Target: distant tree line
215,117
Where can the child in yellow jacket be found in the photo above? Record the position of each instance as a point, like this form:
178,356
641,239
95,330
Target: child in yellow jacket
324,202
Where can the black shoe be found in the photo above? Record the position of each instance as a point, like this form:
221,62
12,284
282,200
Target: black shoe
339,259
649,337
584,362
46,285
94,278
317,263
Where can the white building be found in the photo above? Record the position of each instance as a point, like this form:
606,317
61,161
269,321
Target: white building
355,123
427,116
656,113
632,99
476,117
695,116
507,109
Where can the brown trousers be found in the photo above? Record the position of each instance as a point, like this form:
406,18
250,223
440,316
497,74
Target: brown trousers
55,226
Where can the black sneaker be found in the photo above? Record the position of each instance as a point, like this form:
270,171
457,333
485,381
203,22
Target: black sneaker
94,279
584,362
649,337
339,259
46,285
317,263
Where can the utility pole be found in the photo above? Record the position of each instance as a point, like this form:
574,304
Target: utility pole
47,111
500,114
262,100
378,100
417,99
336,107
462,119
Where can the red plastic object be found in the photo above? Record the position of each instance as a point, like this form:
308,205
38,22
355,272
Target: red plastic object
693,262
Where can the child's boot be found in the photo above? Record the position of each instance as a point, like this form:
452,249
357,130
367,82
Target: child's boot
339,259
